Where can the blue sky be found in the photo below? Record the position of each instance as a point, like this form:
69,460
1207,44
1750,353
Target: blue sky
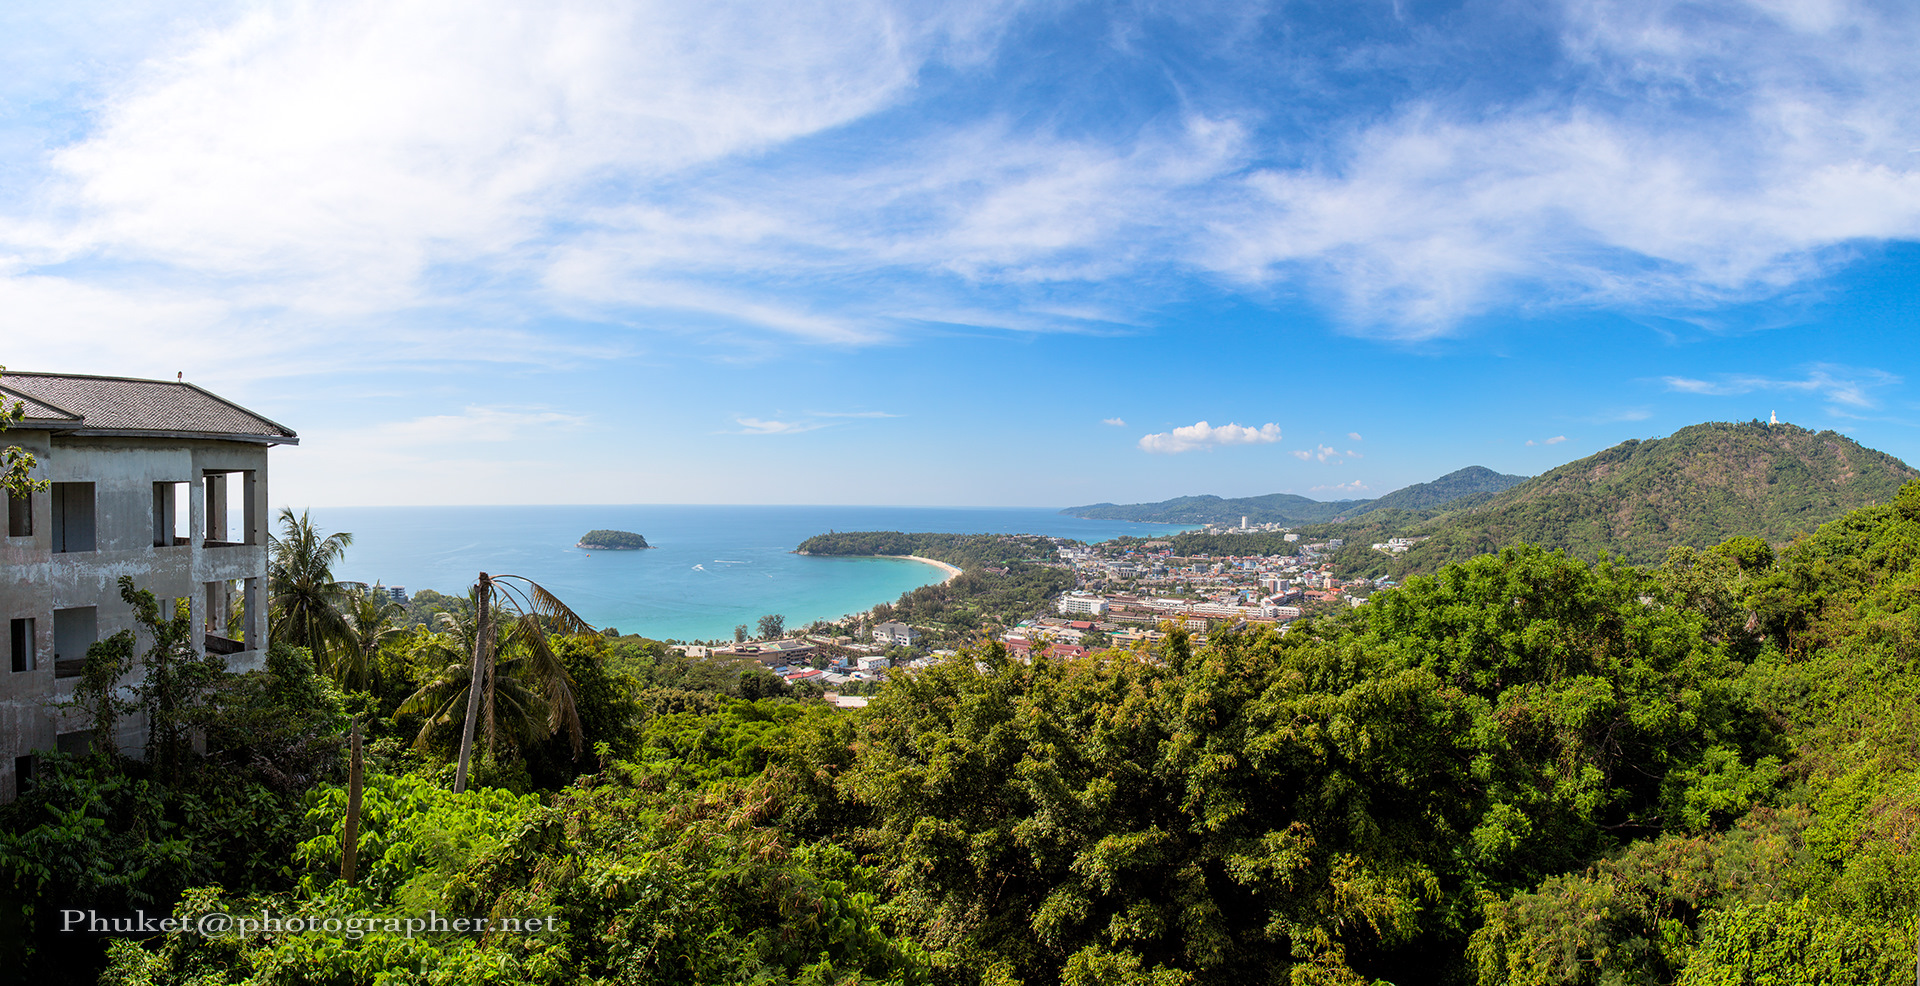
984,253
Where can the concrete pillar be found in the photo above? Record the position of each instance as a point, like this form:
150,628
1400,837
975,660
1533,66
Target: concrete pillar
256,618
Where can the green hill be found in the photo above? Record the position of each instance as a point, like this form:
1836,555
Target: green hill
1697,487
1287,508
1446,491
1273,508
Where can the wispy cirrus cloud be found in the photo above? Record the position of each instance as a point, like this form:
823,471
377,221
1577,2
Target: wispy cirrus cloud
771,426
1202,435
1847,387
642,165
811,421
476,423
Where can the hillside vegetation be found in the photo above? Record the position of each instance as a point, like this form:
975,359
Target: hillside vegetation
1696,487
1523,770
1287,508
1446,491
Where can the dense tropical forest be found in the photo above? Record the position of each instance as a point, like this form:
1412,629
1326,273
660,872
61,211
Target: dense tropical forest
1526,768
1695,487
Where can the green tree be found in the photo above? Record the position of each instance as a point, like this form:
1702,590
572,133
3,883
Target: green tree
740,633
16,463
305,597
177,690
373,617
534,613
98,694
772,626
514,711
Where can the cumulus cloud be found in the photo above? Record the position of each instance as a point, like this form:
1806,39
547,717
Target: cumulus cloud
1839,385
1320,452
1116,422
1202,435
1355,436
1355,486
1555,440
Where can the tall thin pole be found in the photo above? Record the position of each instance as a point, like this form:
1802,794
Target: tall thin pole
350,839
481,635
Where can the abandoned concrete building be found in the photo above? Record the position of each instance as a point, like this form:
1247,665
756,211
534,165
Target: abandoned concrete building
155,479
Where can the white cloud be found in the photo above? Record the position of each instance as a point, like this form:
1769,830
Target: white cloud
1555,440
812,421
1320,452
1353,487
1703,158
1203,435
1355,436
344,159
1839,385
759,426
620,162
1116,422
493,424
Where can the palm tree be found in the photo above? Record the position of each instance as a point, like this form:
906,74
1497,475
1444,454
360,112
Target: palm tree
369,614
514,709
304,595
530,680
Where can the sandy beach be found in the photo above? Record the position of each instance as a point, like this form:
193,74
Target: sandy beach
952,572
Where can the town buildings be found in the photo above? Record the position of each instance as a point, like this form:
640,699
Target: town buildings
895,635
157,480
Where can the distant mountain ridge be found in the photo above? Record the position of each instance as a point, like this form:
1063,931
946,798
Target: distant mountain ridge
1288,508
1696,487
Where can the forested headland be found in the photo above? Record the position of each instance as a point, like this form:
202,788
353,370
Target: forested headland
1003,577
1523,769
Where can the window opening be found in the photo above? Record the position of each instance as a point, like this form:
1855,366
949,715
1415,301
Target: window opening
74,630
171,505
20,644
73,517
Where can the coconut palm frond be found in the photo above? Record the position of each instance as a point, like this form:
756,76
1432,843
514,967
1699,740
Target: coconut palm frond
522,682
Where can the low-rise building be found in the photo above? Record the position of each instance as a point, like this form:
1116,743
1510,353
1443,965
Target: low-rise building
1079,605
895,635
158,480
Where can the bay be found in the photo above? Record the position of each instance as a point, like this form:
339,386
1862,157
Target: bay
711,567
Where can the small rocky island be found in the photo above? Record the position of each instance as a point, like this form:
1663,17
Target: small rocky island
613,541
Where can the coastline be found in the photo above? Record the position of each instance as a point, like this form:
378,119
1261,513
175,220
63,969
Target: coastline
953,572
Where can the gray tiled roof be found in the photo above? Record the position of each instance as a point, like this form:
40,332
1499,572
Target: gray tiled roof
124,404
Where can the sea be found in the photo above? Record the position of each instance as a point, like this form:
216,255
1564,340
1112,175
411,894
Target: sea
710,569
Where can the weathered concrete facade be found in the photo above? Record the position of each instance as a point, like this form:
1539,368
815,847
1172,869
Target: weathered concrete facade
156,480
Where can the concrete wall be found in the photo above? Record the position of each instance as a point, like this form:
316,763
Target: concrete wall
36,581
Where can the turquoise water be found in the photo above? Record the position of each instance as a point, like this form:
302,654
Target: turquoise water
710,569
